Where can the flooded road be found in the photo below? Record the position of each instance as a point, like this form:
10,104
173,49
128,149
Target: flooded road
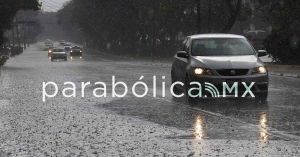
133,126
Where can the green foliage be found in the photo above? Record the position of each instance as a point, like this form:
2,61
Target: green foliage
147,27
8,10
283,43
284,47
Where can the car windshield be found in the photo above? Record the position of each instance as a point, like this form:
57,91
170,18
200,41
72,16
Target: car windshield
221,47
76,47
58,50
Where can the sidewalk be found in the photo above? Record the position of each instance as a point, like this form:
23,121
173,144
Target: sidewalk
284,70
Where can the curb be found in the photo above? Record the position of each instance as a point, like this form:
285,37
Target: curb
285,75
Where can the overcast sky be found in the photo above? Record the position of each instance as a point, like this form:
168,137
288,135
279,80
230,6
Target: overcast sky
53,5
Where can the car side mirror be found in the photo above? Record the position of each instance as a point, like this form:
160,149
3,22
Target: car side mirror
262,53
182,54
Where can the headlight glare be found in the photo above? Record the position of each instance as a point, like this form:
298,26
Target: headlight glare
202,71
199,71
260,70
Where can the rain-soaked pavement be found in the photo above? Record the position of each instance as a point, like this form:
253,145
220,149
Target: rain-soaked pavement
132,126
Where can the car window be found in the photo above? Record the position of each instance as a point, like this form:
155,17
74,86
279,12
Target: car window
58,50
76,47
221,47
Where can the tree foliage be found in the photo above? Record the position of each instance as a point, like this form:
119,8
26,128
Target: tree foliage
148,27
8,10
283,43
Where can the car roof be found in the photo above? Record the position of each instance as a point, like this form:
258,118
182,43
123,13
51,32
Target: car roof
200,36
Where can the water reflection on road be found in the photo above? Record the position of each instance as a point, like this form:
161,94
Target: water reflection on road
198,128
263,124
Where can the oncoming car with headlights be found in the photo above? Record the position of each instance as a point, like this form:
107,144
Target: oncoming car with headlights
58,53
219,59
50,49
76,51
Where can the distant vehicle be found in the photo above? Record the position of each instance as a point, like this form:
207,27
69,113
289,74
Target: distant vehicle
47,40
68,49
219,58
62,42
76,51
67,44
4,54
58,54
49,43
50,49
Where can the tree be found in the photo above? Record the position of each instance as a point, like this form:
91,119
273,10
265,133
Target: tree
147,28
283,42
8,10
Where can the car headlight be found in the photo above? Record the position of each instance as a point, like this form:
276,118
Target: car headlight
260,70
202,71
198,71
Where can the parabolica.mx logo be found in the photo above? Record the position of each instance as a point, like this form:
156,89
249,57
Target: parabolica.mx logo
225,90
141,88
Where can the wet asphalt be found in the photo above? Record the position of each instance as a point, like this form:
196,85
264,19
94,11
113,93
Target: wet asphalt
222,123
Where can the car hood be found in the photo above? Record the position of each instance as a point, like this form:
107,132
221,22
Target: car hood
226,62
